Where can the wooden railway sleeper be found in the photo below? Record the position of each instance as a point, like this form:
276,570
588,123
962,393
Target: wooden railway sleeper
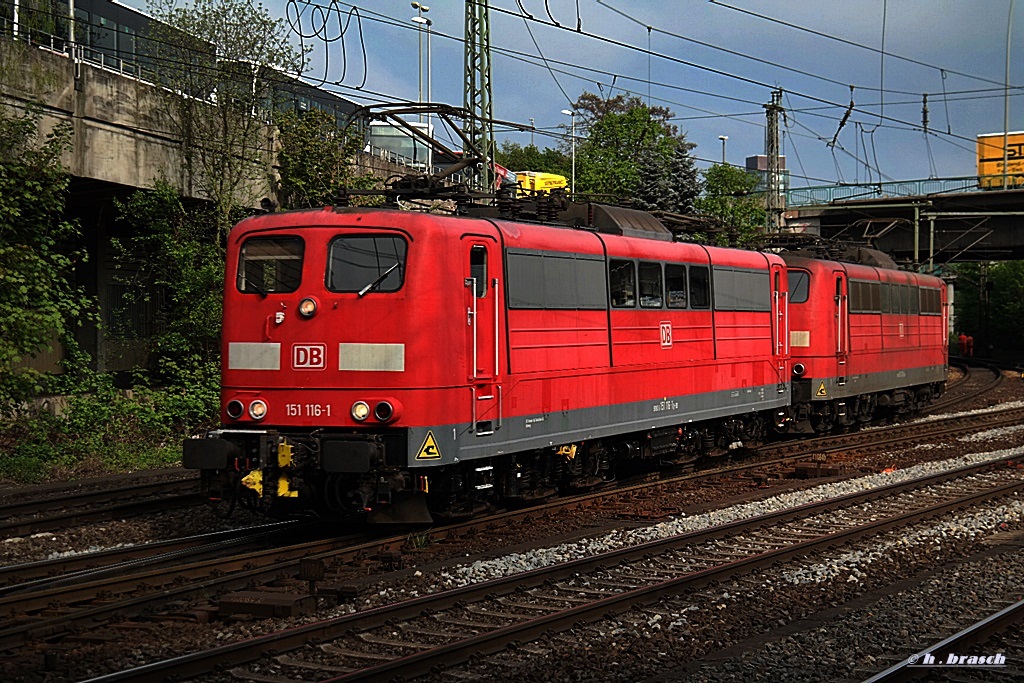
573,599
431,633
484,612
241,674
388,642
510,602
286,660
334,650
455,621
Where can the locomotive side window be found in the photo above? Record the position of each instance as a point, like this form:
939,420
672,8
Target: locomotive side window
865,297
913,300
886,306
622,283
931,302
555,281
700,287
478,269
650,285
270,264
741,289
675,285
799,286
366,263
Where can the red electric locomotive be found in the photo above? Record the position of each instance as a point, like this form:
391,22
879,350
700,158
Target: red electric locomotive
402,364
864,340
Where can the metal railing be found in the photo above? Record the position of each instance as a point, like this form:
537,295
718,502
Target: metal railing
827,194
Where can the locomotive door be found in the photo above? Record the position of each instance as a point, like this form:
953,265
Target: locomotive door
842,326
482,268
780,325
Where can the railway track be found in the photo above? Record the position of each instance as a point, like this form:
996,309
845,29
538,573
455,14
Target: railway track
31,576
93,589
1008,622
67,507
420,635
979,378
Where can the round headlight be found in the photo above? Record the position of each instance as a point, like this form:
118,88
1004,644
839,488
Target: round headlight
383,411
307,307
799,369
360,410
257,410
235,409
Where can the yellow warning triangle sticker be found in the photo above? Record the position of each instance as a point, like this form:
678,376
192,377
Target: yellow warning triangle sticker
429,449
821,390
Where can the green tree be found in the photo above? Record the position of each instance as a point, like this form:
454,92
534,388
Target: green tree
989,306
219,62
591,108
315,160
184,269
629,150
729,199
39,304
668,179
608,160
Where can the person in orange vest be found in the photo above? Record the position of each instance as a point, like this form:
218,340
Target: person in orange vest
970,346
963,344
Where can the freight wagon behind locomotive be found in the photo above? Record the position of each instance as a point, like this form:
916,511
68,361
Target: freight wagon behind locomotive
400,365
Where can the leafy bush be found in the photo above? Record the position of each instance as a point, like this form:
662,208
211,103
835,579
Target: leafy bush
104,429
39,304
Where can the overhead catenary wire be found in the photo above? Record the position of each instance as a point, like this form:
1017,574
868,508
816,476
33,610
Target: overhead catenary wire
911,60
720,72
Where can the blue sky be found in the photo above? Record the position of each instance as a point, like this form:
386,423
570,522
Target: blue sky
958,47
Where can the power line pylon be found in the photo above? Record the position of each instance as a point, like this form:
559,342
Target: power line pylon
774,201
478,126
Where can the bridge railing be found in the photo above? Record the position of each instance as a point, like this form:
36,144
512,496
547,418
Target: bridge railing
826,194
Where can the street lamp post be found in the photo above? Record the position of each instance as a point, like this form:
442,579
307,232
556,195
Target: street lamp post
572,118
422,21
723,138
426,23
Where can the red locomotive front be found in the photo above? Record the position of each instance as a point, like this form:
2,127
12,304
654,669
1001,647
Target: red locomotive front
389,362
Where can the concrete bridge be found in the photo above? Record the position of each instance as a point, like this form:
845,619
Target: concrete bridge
122,142
929,222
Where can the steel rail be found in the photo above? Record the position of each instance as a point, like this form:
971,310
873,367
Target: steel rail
250,650
972,635
19,578
211,576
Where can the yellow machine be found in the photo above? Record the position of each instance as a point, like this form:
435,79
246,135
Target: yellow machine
535,181
990,160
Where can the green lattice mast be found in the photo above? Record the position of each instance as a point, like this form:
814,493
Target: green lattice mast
478,94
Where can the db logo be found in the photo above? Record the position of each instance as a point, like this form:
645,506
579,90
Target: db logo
666,335
309,356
